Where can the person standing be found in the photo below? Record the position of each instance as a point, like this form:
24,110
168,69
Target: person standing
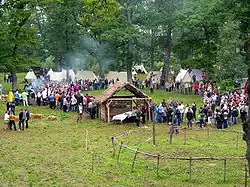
25,98
80,112
27,118
21,120
6,119
52,101
189,116
12,121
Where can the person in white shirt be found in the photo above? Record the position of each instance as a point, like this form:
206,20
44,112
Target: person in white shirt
181,109
6,119
80,112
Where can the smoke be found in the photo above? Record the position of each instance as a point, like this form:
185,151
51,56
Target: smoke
93,55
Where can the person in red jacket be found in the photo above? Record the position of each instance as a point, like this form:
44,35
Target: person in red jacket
196,88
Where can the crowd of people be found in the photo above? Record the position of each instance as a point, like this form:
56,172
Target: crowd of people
221,110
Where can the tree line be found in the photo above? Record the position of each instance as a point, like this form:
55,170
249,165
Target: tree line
104,35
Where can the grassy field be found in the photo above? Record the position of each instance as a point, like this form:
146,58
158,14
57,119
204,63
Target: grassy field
66,153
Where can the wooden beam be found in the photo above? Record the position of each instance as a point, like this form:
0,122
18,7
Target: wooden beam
108,108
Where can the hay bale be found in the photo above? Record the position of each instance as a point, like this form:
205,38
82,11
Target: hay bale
36,116
53,118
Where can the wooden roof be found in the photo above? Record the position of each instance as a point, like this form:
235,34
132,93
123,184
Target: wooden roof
110,92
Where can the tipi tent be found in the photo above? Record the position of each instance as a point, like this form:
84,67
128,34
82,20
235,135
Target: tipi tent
140,69
156,75
30,75
122,76
197,73
58,76
72,74
86,75
183,76
50,73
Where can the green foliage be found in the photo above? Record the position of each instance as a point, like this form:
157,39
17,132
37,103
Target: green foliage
230,62
18,35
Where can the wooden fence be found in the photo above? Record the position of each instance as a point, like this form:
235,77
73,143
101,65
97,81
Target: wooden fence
136,152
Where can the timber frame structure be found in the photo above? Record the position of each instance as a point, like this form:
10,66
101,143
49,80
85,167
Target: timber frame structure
110,105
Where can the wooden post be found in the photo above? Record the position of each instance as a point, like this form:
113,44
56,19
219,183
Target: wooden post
190,168
118,156
158,164
171,132
86,140
237,141
225,169
246,173
185,136
113,143
208,135
153,133
92,162
133,163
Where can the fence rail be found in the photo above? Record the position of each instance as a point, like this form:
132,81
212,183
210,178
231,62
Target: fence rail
190,159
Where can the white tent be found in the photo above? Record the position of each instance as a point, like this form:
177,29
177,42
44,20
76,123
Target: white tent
58,76
30,75
50,72
197,73
86,75
140,69
72,74
183,76
122,76
156,75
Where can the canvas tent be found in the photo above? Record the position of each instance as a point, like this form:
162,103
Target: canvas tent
86,75
183,76
57,76
30,75
72,74
140,69
197,73
122,76
156,75
50,72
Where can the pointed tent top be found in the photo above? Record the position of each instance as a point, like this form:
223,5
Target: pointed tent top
116,88
30,75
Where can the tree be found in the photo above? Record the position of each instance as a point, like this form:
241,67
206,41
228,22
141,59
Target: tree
229,60
18,36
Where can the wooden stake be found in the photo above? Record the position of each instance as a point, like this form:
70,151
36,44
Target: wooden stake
208,135
113,143
190,168
133,163
171,132
185,136
237,141
92,162
86,140
246,173
158,164
118,156
225,169
153,133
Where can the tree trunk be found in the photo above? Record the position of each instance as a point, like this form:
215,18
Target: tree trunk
130,49
14,80
101,68
246,125
168,51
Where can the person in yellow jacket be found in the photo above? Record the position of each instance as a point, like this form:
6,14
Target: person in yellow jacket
11,97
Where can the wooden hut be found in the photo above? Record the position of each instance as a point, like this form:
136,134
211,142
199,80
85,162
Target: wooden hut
110,104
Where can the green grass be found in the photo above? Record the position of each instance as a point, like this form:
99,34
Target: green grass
54,153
